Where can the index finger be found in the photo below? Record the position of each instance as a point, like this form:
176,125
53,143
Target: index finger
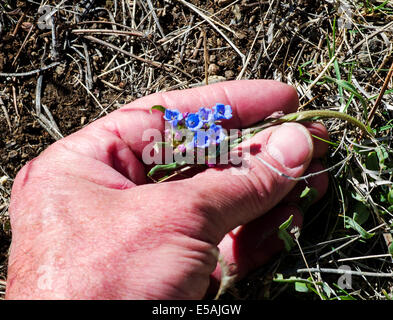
251,101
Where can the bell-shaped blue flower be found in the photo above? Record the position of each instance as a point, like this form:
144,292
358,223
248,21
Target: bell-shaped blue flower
173,116
206,115
216,134
222,111
193,122
201,139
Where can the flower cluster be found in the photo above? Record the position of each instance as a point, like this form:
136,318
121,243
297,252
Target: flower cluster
196,130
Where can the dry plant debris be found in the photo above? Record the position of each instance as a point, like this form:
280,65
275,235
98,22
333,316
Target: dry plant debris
64,64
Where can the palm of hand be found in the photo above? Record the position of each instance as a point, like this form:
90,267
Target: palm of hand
86,224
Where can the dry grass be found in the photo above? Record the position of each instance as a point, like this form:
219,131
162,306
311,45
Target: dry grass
112,52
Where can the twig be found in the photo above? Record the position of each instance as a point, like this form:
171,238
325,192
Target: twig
29,73
114,24
114,68
48,126
344,271
205,56
18,24
323,72
309,101
92,95
366,38
52,120
186,37
38,95
308,268
384,255
350,241
15,102
109,45
165,40
153,12
22,46
53,51
115,57
205,17
89,78
198,45
111,85
380,96
240,75
302,177
7,117
109,31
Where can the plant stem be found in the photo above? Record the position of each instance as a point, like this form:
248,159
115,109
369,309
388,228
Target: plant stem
310,115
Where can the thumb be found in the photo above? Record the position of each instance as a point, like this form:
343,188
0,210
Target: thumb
233,196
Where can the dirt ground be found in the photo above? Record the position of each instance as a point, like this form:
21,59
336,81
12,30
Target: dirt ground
164,49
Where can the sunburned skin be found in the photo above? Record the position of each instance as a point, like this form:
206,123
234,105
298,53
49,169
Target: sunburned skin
87,223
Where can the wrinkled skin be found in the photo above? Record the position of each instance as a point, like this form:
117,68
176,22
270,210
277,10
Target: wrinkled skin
87,224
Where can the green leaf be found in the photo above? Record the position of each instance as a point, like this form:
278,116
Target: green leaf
157,107
165,167
285,225
284,235
307,197
387,296
326,289
349,297
288,241
350,223
360,213
372,162
382,155
278,277
301,287
390,196
349,87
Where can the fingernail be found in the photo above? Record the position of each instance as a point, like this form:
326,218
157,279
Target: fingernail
291,145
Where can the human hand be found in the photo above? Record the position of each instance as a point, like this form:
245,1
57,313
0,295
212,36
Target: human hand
86,224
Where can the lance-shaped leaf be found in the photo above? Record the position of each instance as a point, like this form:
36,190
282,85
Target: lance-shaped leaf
157,107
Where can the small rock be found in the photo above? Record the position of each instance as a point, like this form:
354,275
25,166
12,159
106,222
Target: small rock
3,180
229,74
26,26
213,69
240,35
222,62
223,2
60,70
212,58
12,154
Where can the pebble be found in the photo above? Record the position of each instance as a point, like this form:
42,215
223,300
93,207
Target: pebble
223,2
229,74
3,180
12,154
213,69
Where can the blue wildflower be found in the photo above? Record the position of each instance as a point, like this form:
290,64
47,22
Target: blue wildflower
193,122
206,115
222,111
173,116
216,134
201,139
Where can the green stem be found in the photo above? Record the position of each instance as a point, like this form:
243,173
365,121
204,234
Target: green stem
310,115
